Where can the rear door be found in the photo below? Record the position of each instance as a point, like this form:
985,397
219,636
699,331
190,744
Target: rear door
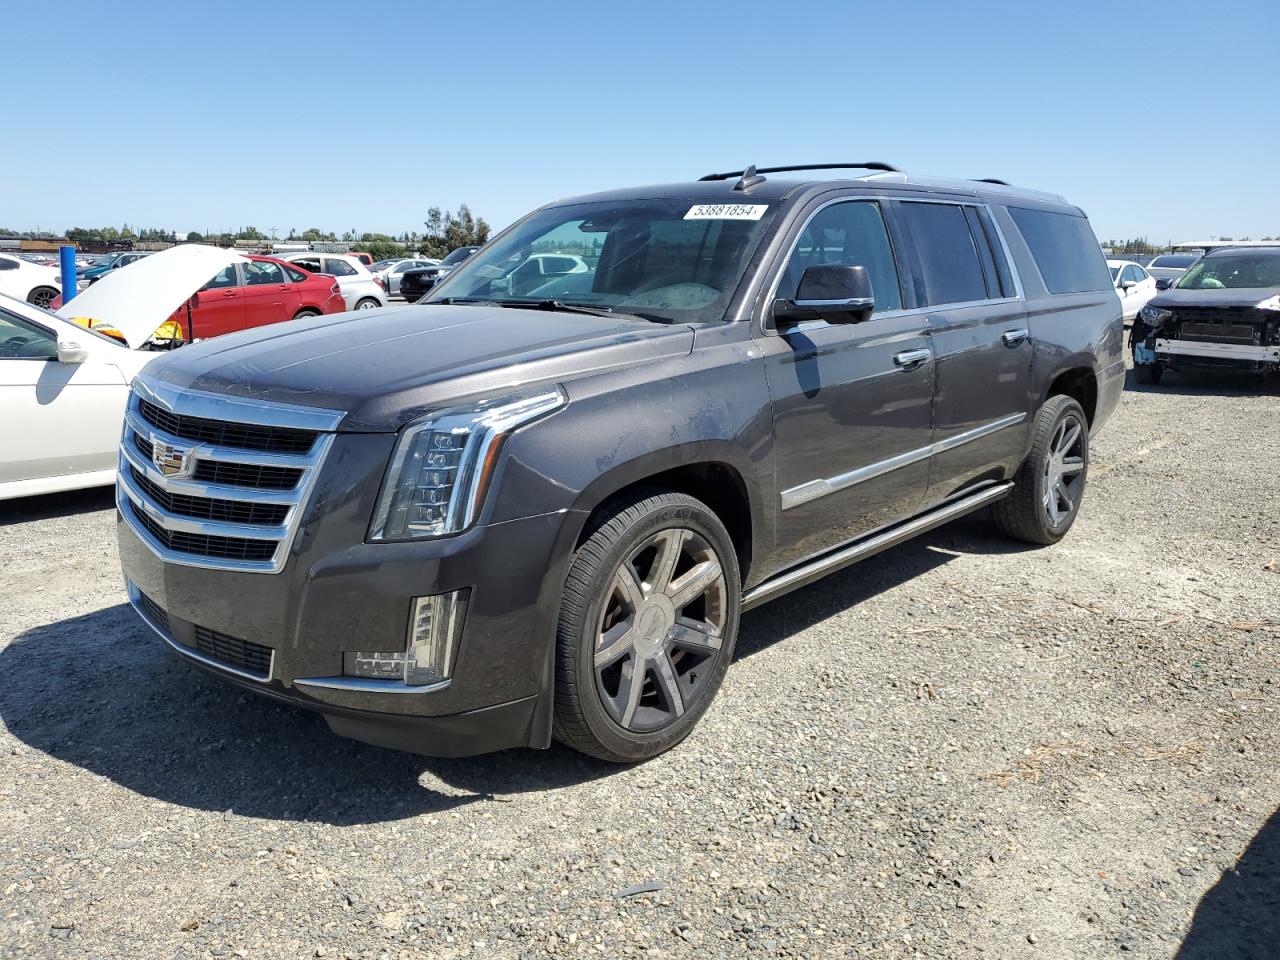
270,295
852,403
219,308
980,339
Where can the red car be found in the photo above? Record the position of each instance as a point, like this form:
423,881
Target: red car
255,292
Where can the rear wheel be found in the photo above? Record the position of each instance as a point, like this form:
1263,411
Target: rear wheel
42,296
303,314
1050,483
368,303
647,627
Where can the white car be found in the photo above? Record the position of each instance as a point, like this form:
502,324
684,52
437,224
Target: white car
1134,286
28,281
63,387
360,289
390,271
1171,266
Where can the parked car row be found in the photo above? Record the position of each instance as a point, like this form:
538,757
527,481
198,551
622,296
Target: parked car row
415,283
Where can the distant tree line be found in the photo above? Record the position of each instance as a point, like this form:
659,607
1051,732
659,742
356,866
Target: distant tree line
443,231
1143,246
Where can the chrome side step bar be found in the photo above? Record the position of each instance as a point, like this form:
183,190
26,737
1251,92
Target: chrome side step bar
828,563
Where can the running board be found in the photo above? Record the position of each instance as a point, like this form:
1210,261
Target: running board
828,563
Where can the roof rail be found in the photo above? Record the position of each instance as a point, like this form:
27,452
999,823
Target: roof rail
756,171
1003,183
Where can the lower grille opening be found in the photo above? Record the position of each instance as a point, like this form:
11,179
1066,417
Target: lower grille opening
242,654
224,548
157,613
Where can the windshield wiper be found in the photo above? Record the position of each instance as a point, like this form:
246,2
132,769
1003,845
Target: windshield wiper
566,307
459,301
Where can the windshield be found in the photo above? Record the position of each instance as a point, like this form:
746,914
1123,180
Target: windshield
457,256
1238,270
1175,260
667,259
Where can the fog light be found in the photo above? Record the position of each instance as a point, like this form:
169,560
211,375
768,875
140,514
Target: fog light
435,624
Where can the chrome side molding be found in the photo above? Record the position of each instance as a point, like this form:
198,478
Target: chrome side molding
813,489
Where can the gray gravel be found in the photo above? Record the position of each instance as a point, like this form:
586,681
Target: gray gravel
958,749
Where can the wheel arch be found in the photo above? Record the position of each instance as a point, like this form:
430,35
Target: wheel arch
1079,382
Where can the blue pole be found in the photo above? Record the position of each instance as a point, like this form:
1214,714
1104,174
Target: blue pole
67,255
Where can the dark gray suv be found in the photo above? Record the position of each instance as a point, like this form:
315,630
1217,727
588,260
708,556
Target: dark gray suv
496,518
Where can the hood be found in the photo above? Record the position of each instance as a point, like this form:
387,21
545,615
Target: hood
1226,297
138,298
387,367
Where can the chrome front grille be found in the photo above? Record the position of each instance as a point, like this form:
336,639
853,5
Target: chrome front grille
216,481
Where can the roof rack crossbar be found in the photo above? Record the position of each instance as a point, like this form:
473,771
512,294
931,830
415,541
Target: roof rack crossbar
873,165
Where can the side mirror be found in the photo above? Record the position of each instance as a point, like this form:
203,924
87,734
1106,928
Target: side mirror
1163,283
69,351
1127,285
834,292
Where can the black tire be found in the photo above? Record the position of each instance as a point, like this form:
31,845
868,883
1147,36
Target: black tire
305,313
1026,513
367,303
42,296
624,533
1147,374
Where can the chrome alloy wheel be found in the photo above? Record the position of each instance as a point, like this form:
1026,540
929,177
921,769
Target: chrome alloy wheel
1064,471
660,631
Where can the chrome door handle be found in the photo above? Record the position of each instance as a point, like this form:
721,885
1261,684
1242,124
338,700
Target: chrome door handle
1012,338
910,359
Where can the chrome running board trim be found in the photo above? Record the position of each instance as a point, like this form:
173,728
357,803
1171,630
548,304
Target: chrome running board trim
861,549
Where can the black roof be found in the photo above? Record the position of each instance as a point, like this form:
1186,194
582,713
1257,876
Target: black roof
1231,251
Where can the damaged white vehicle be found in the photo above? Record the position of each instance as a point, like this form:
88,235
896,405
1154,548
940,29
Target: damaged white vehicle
63,386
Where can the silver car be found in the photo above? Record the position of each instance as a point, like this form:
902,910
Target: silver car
360,289
390,271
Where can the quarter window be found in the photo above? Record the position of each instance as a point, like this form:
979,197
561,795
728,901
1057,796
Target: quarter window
297,276
850,233
948,254
1065,250
7,264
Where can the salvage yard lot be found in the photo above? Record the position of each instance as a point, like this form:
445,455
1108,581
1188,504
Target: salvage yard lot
960,748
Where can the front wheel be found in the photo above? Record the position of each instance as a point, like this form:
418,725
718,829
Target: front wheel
42,296
647,627
1050,484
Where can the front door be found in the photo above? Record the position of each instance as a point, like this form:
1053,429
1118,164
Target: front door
57,419
219,309
852,403
981,344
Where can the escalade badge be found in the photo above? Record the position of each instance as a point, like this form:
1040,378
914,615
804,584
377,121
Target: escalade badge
170,460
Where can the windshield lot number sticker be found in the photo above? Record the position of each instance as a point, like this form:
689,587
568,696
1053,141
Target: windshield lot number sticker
726,211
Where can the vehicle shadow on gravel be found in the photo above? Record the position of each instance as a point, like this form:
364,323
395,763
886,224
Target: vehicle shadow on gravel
1225,384
50,506
99,692
1239,918
798,611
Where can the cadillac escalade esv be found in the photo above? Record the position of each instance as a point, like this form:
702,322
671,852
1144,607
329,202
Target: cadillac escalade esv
513,512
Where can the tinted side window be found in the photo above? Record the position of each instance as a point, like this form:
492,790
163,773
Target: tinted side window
309,263
339,268
226,277
1065,250
851,233
947,251
259,272
295,275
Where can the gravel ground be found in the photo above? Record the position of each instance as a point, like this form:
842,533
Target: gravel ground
960,748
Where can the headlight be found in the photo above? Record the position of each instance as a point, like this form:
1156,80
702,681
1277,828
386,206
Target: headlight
1154,316
1272,303
443,463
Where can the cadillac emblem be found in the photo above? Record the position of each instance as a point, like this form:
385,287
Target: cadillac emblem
170,460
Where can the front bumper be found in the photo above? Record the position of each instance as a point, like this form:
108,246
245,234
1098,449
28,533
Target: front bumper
336,593
1204,349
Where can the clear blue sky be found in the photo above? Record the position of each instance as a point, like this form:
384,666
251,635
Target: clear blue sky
338,115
